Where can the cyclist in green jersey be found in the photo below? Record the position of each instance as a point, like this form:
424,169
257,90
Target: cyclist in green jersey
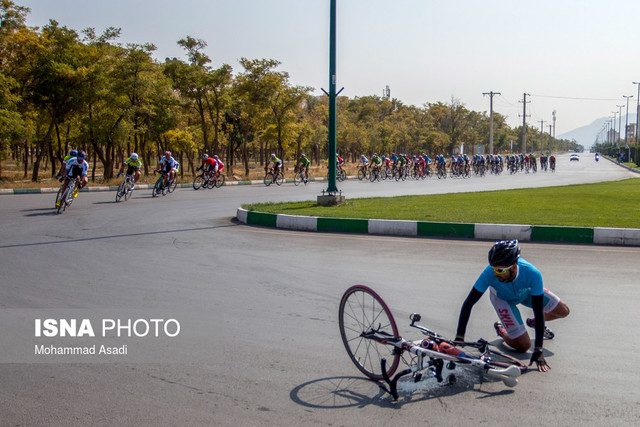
133,167
303,162
277,163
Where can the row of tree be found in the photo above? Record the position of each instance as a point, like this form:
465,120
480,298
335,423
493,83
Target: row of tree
60,89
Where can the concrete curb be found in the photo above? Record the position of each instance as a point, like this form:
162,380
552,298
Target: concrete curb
138,186
525,233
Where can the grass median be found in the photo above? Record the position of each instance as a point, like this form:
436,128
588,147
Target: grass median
608,204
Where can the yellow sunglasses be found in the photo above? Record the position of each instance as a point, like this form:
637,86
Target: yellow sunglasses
502,270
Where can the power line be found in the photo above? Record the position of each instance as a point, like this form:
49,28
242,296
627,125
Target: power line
577,98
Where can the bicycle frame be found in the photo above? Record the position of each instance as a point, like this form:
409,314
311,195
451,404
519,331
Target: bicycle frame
433,361
372,341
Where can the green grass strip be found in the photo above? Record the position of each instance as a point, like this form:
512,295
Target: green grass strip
608,204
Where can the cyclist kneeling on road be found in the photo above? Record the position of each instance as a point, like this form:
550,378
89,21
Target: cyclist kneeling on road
513,281
133,168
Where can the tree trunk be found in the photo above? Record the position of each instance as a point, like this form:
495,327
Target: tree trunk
245,155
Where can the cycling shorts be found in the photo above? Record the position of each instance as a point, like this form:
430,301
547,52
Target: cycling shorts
509,314
132,169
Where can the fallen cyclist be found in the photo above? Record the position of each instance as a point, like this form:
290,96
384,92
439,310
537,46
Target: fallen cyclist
512,281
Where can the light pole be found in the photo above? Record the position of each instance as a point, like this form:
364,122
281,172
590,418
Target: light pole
619,122
636,129
626,128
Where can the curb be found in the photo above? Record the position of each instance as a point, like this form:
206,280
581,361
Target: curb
525,233
142,186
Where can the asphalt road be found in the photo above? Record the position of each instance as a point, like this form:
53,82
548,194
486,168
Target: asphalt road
259,343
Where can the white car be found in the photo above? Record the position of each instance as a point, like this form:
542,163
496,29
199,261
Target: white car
575,157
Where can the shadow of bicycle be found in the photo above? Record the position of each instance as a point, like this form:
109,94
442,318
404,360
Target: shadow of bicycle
358,392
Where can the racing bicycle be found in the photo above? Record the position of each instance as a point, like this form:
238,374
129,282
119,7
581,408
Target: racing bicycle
270,177
64,199
300,176
370,336
164,184
126,188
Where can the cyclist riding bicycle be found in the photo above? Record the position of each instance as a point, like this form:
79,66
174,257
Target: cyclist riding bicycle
375,161
168,164
364,161
77,168
277,163
63,165
133,164
208,164
303,162
512,281
219,166
339,161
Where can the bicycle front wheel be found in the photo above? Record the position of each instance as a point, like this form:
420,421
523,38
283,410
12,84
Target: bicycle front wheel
66,194
268,179
362,313
172,185
198,181
128,190
297,179
157,189
121,191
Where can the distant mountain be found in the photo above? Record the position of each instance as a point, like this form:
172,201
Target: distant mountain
586,135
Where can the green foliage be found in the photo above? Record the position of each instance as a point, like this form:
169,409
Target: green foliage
59,90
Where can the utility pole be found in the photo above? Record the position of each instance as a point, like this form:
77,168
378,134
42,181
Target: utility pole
637,156
524,123
541,136
554,124
550,140
619,122
491,118
626,129
332,197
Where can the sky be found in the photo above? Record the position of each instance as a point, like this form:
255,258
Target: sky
575,57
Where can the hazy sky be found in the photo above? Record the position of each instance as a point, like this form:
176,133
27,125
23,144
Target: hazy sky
578,57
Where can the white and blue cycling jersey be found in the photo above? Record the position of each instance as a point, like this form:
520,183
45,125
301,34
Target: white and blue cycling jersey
168,163
76,167
528,282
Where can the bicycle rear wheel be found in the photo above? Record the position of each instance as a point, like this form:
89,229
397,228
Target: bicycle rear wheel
128,190
280,178
361,314
220,181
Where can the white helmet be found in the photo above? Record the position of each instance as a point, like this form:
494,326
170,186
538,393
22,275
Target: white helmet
205,156
134,156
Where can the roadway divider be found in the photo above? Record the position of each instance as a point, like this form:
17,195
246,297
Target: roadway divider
531,233
138,186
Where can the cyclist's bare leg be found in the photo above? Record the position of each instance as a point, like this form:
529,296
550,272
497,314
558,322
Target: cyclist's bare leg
561,310
520,344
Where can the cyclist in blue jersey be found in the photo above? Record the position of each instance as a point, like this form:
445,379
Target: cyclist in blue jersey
512,280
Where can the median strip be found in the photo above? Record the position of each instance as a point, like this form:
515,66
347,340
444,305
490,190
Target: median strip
532,233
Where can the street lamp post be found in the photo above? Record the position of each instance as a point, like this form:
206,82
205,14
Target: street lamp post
636,129
626,128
